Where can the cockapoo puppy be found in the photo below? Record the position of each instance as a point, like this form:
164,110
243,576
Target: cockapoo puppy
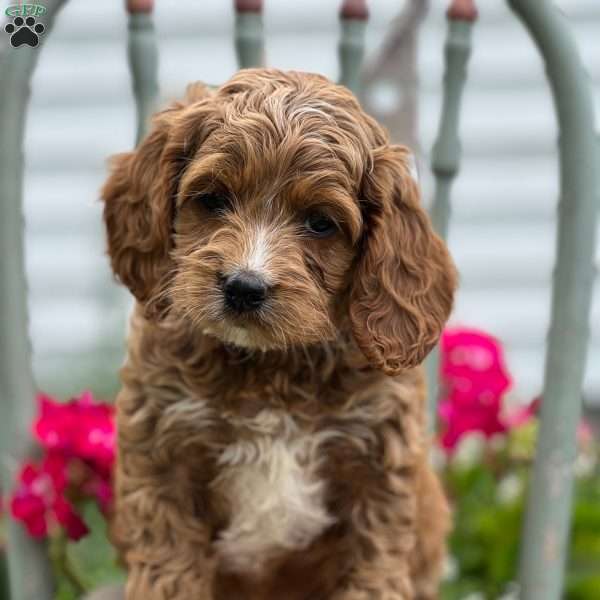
271,424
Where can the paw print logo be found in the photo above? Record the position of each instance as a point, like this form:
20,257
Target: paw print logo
24,31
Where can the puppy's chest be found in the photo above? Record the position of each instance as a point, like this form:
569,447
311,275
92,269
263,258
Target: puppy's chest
269,479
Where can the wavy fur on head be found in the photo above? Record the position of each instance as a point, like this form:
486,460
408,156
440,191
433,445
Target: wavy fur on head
277,453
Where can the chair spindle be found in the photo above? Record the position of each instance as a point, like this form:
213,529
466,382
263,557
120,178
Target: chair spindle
354,15
249,33
142,53
446,152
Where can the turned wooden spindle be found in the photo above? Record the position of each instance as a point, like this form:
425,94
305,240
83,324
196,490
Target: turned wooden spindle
248,6
139,6
462,10
142,52
354,9
354,15
249,33
446,153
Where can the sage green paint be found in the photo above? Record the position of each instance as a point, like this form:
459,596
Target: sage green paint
249,40
351,51
445,159
142,52
28,566
548,512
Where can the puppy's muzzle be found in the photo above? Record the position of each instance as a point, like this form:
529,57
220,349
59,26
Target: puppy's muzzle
244,292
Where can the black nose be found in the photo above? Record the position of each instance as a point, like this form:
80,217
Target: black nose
244,291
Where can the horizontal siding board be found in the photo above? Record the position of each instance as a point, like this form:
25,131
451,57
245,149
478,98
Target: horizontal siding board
77,137
86,271
62,203
494,124
515,316
59,325
506,189
526,366
518,65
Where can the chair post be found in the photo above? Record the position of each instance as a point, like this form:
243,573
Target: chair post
446,152
547,520
29,571
249,33
354,15
142,53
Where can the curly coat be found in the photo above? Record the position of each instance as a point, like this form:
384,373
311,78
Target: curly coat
283,454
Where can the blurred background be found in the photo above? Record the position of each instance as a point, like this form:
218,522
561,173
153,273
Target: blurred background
502,232
502,236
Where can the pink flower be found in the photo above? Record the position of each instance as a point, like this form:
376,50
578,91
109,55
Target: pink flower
55,424
523,414
39,502
79,442
101,489
69,519
474,380
461,419
585,434
80,428
473,363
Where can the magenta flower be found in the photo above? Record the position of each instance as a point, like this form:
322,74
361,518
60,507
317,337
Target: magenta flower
80,428
100,488
473,364
39,499
523,414
79,442
474,379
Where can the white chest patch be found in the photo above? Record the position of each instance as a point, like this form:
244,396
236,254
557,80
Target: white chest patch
276,498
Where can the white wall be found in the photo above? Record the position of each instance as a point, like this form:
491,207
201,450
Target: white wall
502,231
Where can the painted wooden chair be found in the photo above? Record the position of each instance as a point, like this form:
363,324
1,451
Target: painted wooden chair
549,503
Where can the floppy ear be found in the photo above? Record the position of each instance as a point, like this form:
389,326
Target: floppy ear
405,280
139,196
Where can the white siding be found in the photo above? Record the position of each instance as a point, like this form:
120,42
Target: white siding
502,231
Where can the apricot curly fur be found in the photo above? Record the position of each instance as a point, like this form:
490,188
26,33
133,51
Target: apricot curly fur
282,454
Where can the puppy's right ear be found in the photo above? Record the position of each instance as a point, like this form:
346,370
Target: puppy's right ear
137,216
139,195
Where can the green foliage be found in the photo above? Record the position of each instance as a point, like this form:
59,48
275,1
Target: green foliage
91,562
485,539
583,578
488,495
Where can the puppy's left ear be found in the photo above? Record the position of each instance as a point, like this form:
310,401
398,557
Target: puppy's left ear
405,280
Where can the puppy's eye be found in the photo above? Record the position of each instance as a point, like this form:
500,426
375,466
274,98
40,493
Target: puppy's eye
214,202
320,225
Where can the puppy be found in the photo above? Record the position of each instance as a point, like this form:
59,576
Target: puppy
271,423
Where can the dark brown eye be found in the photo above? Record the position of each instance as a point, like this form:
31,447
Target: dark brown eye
214,202
320,225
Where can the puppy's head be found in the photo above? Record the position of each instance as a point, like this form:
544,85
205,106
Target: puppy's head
274,212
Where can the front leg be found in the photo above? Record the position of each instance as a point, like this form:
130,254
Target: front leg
397,535
375,472
382,538
166,558
158,525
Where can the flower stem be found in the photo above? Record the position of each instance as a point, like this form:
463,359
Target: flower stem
64,567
